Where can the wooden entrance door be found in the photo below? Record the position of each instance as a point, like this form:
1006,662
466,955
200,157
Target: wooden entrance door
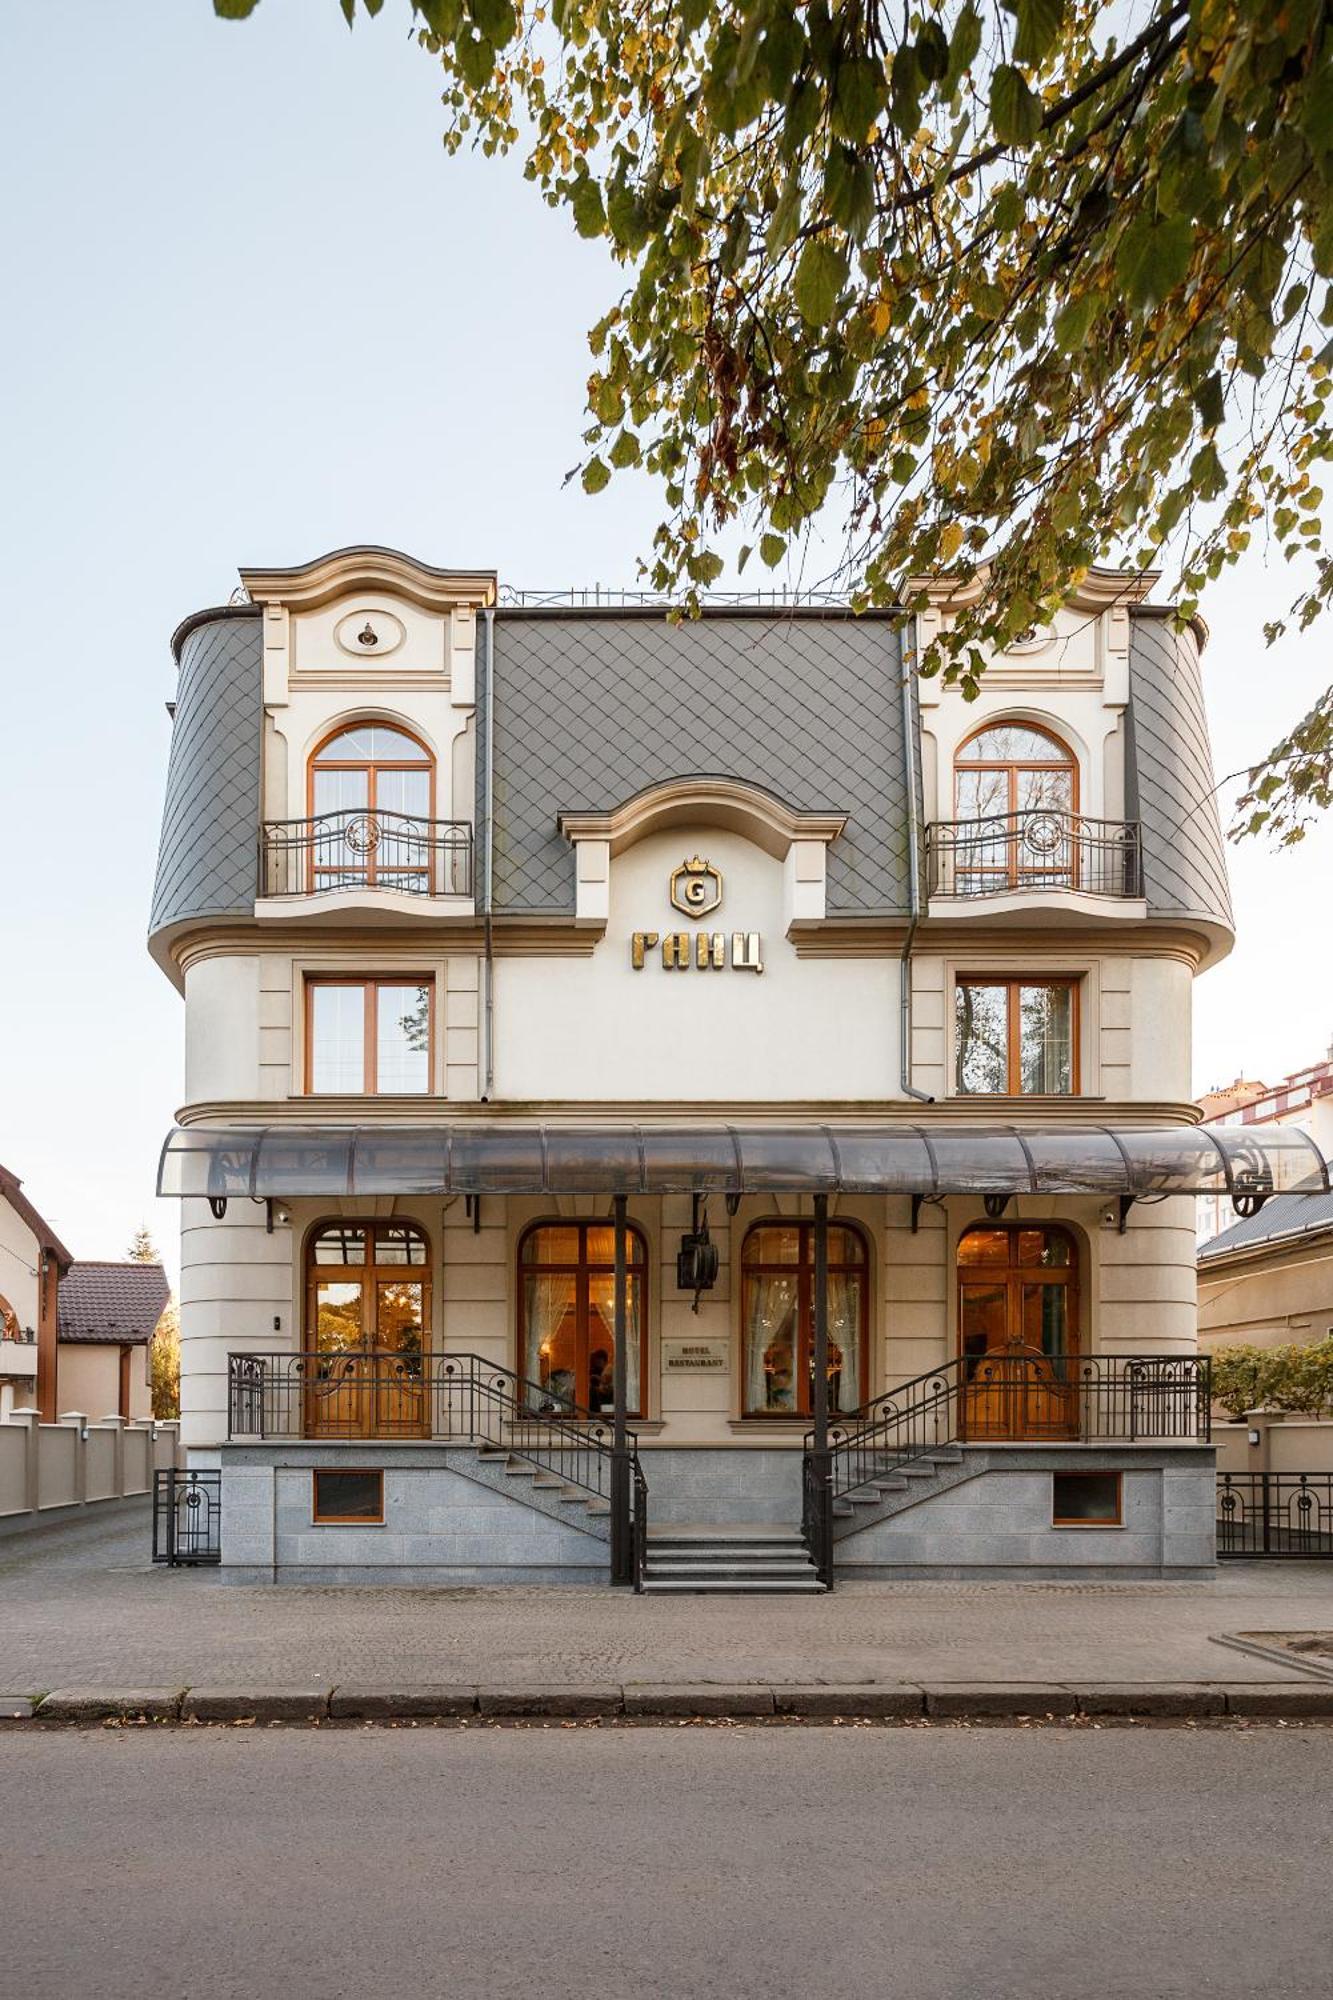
1018,1334
367,1331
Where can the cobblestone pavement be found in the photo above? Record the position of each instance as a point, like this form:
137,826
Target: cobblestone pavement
80,1603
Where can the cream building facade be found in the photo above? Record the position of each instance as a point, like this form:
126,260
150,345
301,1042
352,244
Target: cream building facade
856,1016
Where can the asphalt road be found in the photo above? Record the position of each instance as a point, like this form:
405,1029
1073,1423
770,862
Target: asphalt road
940,1864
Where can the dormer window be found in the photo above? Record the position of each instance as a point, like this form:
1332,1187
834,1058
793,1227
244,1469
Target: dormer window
372,801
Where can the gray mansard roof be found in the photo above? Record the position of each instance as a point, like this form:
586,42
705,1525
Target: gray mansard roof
592,708
1169,782
208,859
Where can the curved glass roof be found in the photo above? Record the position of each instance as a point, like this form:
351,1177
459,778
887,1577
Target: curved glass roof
501,1157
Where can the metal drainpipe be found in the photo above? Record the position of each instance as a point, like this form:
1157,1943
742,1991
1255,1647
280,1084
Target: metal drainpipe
488,821
911,758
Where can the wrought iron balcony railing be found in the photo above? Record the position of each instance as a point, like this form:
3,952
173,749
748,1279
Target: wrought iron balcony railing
1039,849
359,849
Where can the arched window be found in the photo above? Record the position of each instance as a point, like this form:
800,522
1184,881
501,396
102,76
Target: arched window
567,1311
372,801
367,1330
1023,783
1018,1332
778,1318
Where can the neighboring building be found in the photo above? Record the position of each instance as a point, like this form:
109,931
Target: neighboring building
32,1262
1305,1098
1268,1279
108,1316
855,1016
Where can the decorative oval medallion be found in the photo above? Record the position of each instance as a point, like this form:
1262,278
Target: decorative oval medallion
369,635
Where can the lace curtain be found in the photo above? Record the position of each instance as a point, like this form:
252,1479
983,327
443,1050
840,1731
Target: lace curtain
770,1307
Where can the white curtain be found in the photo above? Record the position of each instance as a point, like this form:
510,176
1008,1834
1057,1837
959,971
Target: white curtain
844,1334
549,1298
770,1303
605,1306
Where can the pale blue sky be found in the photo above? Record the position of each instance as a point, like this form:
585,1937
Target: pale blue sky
253,312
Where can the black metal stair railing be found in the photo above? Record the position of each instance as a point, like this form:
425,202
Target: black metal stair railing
361,848
452,1398
1041,848
1015,1395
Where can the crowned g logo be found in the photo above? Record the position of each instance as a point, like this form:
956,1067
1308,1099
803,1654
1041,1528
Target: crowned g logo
696,888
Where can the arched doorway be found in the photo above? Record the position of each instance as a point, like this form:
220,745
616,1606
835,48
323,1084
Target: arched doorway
1018,1332
367,1330
1015,791
371,805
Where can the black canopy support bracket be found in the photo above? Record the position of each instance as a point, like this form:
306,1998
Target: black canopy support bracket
218,1204
995,1205
1126,1202
472,1209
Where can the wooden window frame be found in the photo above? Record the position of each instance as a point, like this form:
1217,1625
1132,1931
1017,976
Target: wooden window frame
372,766
369,983
1102,1472
345,1520
1012,983
640,1266
804,1267
1013,765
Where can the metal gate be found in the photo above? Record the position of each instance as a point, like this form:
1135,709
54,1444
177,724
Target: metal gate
1275,1514
187,1517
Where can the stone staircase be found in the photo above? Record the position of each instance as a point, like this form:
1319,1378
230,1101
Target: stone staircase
532,1486
745,1559
898,1485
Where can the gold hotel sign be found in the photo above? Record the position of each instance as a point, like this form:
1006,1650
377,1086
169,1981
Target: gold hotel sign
696,891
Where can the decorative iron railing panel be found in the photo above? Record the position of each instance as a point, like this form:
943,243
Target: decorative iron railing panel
360,849
1020,1396
187,1517
448,1398
1275,1514
1038,849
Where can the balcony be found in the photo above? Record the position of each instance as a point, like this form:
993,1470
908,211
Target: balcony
357,853
1030,853
18,1353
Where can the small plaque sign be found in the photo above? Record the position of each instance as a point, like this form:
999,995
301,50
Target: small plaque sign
695,1357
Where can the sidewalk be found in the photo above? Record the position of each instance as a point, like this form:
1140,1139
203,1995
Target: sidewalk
80,1606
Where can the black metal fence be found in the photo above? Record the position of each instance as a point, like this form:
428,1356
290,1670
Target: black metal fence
187,1517
1021,1396
361,849
451,1398
1039,849
1275,1514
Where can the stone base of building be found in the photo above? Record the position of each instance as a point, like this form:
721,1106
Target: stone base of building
454,1518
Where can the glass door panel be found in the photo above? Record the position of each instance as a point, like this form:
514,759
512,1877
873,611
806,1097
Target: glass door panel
339,1315
400,1407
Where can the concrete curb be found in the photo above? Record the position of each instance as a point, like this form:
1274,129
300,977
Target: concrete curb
902,1701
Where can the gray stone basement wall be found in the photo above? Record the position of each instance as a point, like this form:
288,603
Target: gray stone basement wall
996,1521
439,1525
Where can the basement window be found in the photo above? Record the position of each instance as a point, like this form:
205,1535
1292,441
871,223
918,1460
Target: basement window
1086,1500
349,1499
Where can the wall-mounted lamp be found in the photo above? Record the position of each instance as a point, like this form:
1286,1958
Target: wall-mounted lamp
1256,1437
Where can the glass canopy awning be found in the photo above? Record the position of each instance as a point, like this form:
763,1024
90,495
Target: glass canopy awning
500,1157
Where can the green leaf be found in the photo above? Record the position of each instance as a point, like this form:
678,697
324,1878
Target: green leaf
1015,110
772,548
705,567
1073,321
1039,25
1152,257
349,10
849,190
234,10
859,95
932,52
442,17
596,473
495,19
786,217
586,202
476,60
1008,208
625,451
965,43
820,276
1210,402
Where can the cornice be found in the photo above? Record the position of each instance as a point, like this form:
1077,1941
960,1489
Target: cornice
969,1112
742,808
364,567
1099,590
